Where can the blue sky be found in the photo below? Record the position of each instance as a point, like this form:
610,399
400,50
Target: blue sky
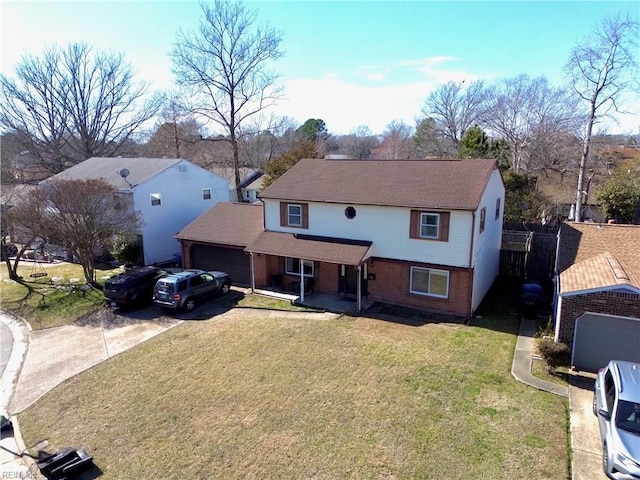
349,63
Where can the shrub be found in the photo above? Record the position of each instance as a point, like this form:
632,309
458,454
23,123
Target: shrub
553,353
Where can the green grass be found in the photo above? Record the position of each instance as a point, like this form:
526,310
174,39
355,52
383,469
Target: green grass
53,300
243,396
271,303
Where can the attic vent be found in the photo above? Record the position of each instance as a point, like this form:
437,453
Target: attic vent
182,168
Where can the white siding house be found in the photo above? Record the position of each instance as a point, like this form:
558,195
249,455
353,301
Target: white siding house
168,193
419,233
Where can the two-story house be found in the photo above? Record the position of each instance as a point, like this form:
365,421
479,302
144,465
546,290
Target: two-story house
168,193
418,233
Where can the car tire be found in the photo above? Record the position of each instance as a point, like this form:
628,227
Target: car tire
226,288
190,304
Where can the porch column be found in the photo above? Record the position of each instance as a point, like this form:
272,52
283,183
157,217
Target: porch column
301,281
253,273
359,269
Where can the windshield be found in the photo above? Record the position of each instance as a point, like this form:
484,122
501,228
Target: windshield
628,416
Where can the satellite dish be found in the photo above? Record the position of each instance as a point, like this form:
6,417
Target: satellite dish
124,173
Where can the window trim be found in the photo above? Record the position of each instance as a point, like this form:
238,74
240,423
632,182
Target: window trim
444,219
288,271
304,214
429,271
295,215
423,224
156,197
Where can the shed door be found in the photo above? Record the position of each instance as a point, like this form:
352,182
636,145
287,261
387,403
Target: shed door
233,261
600,338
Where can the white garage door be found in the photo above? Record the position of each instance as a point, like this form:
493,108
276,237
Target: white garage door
600,338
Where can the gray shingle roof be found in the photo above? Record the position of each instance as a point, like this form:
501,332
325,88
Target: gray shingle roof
108,168
450,184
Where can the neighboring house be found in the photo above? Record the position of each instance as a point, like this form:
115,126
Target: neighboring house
247,175
597,304
423,234
252,187
168,193
217,239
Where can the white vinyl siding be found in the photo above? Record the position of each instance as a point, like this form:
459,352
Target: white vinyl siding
386,227
426,281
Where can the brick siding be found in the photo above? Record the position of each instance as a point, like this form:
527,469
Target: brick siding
609,303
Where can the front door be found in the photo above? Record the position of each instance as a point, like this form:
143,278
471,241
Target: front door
349,280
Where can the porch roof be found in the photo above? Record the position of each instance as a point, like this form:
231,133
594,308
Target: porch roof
308,247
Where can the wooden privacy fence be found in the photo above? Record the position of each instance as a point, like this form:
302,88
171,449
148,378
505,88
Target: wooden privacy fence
528,255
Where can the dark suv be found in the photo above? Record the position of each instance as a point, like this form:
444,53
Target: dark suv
183,290
132,288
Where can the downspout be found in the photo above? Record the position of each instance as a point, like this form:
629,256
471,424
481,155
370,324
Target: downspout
470,268
253,274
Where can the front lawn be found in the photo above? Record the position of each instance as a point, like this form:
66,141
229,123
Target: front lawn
244,396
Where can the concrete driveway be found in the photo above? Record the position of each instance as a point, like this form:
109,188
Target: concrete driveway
585,437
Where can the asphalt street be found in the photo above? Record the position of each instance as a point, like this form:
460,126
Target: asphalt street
6,345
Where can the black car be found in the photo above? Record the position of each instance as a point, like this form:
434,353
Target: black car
132,288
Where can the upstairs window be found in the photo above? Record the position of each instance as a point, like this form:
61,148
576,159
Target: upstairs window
483,218
206,194
294,215
429,225
497,209
156,199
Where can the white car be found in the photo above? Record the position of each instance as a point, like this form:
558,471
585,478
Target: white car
616,403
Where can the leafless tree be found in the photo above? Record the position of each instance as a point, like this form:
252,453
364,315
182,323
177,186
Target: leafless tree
455,107
71,104
601,69
84,216
525,111
223,68
397,142
23,216
359,143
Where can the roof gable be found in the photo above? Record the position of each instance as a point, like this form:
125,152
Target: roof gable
438,184
109,168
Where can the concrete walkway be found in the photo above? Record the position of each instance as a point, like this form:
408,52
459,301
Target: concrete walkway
521,368
41,360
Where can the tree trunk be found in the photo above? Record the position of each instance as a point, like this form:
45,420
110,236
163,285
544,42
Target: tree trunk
583,162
